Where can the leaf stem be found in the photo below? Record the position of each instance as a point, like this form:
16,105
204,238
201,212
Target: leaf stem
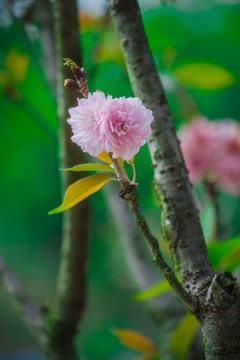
134,173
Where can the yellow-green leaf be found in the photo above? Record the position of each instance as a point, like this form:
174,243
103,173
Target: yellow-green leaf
90,167
135,340
104,156
153,291
81,189
17,64
204,75
225,254
120,160
131,161
183,335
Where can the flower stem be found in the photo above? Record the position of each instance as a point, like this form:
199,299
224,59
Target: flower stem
123,179
134,173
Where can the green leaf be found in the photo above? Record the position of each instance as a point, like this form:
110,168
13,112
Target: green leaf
90,167
183,335
204,75
207,219
225,253
155,290
81,189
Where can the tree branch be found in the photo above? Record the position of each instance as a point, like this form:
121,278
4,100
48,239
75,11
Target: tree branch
25,306
129,194
142,272
180,219
71,289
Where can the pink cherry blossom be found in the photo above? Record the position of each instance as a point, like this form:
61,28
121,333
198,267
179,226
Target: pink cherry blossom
86,119
198,144
118,126
126,127
212,149
228,165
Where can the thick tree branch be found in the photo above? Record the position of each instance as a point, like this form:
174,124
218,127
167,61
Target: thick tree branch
180,219
218,296
71,290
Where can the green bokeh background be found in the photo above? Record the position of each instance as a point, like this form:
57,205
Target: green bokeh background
180,33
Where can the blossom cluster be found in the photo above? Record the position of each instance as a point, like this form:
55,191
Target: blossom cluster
212,151
118,126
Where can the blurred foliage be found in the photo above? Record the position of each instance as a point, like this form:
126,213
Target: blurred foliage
196,49
137,341
183,335
204,76
155,290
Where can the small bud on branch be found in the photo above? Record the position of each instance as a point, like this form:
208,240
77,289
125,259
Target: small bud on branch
81,83
71,84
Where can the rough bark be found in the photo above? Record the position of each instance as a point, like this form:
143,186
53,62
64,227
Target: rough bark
71,290
221,335
218,314
180,219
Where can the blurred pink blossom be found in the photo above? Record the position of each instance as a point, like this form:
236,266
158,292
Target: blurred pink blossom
198,143
118,126
212,151
228,164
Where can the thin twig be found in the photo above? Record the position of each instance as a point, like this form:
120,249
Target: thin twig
25,306
129,194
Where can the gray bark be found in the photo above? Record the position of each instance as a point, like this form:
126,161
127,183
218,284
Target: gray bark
217,296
